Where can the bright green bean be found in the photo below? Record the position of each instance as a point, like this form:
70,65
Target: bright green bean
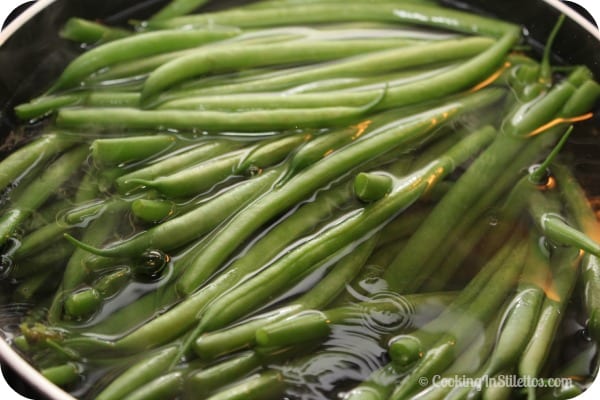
108,152
245,56
299,261
24,158
410,13
84,31
136,46
38,191
303,184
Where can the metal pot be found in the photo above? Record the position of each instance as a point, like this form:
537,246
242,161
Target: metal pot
32,54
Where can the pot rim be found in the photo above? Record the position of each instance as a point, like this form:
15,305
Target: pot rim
26,370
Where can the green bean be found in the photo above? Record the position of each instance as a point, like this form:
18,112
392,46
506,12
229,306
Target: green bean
39,240
82,303
109,285
202,177
264,386
175,162
378,386
370,187
405,272
176,8
555,228
38,191
136,46
404,225
211,345
448,82
462,330
585,218
417,14
524,308
301,221
451,253
139,374
137,69
96,233
108,152
408,347
84,31
299,261
31,154
62,375
564,263
248,121
88,188
32,285
178,231
301,185
311,325
243,56
35,263
152,210
204,382
45,105
371,63
163,387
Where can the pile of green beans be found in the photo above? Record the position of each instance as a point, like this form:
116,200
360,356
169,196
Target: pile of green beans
300,199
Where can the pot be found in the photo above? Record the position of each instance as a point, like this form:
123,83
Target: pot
28,63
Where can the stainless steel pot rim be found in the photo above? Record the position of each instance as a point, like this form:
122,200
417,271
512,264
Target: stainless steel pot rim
9,356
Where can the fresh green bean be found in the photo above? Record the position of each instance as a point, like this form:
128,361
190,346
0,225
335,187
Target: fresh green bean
38,191
209,380
554,226
370,187
96,233
585,218
81,303
524,308
303,184
136,46
62,375
301,221
33,285
410,13
178,231
409,347
311,325
462,330
213,60
139,374
264,386
371,63
213,344
37,151
152,210
175,162
298,262
84,31
564,263
108,152
35,263
163,387
176,8
405,272
202,177
249,121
